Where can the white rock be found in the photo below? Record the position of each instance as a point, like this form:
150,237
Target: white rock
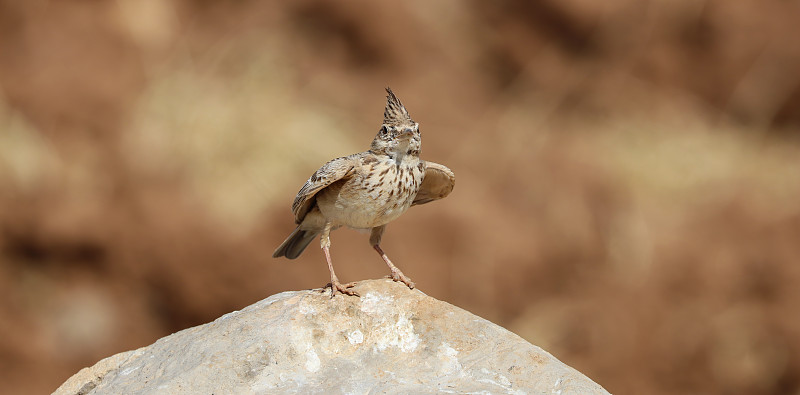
390,340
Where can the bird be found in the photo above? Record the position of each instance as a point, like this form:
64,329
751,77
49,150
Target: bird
367,190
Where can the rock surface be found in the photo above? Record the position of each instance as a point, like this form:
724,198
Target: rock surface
390,340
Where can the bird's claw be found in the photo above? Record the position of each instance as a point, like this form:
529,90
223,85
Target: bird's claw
343,288
401,278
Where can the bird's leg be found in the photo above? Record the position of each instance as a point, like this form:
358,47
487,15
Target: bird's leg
397,275
336,286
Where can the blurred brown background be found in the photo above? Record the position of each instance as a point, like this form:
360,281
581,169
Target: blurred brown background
628,192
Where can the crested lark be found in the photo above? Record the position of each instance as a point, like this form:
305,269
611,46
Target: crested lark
367,190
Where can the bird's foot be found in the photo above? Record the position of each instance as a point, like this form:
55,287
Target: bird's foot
336,286
398,276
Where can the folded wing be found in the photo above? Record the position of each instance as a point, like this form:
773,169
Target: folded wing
335,170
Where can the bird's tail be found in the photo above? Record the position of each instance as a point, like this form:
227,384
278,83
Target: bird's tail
294,245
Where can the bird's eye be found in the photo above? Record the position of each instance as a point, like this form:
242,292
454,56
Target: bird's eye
384,131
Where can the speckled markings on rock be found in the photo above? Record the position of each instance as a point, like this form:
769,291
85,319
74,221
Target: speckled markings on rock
391,340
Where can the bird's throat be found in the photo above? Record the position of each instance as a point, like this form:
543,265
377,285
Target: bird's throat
401,153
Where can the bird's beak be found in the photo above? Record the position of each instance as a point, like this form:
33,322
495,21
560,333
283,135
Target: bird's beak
407,132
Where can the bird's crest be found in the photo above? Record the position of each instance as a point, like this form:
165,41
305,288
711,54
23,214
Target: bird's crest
395,113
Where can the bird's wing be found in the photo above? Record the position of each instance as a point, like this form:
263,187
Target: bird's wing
437,183
335,170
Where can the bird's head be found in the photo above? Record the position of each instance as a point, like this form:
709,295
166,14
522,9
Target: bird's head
399,135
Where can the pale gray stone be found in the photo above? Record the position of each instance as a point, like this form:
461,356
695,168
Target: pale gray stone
390,340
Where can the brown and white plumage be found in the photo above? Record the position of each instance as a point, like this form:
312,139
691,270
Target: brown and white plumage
368,190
